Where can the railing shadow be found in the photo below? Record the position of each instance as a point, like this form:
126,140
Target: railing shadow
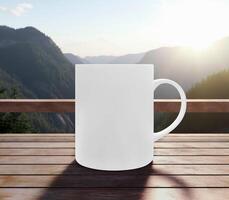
77,182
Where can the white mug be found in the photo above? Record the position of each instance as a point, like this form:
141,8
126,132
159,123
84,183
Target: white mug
114,115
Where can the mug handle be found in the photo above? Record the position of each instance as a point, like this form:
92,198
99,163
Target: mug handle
180,116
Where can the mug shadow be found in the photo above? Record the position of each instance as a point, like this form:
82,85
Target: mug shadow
77,182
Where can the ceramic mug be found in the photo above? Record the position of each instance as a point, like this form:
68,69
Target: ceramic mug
114,115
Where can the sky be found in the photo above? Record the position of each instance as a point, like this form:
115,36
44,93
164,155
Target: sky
118,27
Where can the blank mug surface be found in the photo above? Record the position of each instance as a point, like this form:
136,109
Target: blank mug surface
114,116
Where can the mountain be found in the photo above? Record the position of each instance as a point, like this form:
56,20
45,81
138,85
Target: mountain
74,59
125,59
128,59
99,59
186,65
212,87
35,61
31,61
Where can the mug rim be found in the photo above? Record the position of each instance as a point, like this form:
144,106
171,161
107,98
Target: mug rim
115,65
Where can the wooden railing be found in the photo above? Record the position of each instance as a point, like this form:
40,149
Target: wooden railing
68,105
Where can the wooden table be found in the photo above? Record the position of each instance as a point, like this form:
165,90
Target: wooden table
42,167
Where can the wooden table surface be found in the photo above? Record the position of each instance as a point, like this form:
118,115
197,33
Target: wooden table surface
42,167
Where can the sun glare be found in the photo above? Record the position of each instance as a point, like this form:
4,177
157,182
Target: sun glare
199,44
194,23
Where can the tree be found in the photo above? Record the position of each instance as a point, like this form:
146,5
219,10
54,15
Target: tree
13,122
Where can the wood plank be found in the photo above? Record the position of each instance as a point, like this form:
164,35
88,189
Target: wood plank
36,159
195,139
68,105
37,144
157,159
113,181
173,134
37,105
193,105
37,139
205,160
114,194
76,169
2,135
71,152
57,138
191,152
37,152
191,145
72,145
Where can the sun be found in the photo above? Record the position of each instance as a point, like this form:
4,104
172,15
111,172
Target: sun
194,23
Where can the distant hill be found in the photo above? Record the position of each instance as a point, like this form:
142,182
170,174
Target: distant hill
74,59
214,86
99,59
125,59
128,59
186,65
31,61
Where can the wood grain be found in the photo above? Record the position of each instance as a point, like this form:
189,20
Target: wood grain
113,181
219,145
157,160
76,169
194,105
71,152
71,138
68,105
37,105
185,167
114,194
